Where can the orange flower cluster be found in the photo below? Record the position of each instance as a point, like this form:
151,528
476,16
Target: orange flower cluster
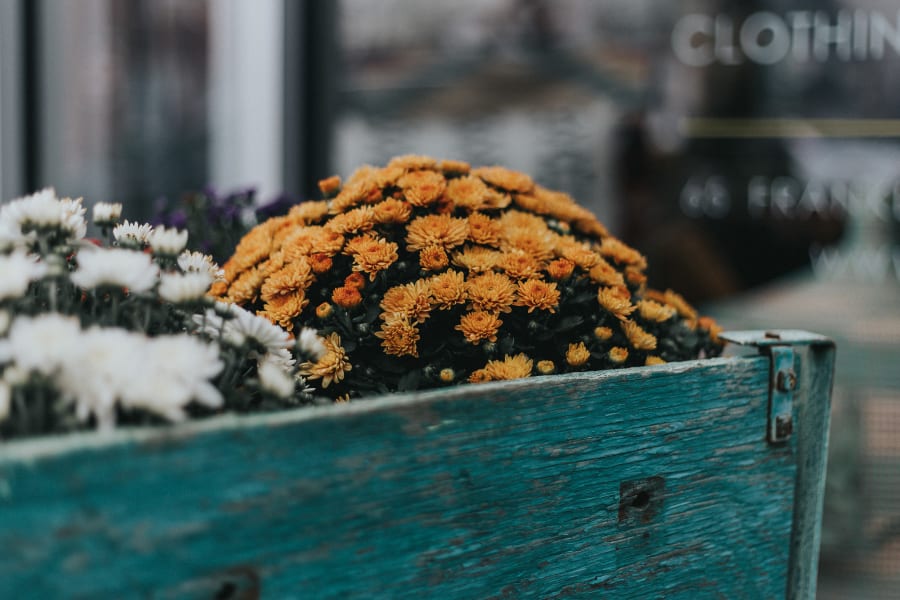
428,272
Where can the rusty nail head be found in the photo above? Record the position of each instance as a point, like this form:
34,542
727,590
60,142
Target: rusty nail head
786,381
784,426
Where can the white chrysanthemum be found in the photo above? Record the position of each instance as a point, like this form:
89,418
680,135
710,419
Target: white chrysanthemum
42,343
197,262
273,379
17,271
5,397
132,234
310,343
239,325
281,357
188,287
106,213
177,369
167,242
115,267
72,220
11,235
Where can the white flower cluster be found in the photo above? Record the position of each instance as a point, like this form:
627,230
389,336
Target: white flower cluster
107,333
98,368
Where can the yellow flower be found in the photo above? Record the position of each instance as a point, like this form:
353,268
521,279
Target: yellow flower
447,375
433,258
639,339
654,311
310,211
483,230
436,230
654,360
479,376
616,300
392,211
448,289
454,167
476,259
534,293
374,255
324,310
612,248
491,292
519,265
511,367
291,278
577,355
478,326
412,162
605,274
356,220
546,367
411,300
398,336
603,333
675,301
469,193
346,297
333,365
330,186
560,269
618,355
506,179
422,188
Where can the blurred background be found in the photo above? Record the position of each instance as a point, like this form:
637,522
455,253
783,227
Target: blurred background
750,149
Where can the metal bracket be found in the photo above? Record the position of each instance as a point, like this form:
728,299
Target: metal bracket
778,346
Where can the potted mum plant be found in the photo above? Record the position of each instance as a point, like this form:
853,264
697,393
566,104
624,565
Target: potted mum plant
502,405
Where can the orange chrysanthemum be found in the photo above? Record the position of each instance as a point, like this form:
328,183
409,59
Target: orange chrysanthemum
324,310
355,280
291,278
483,230
621,253
411,300
447,375
253,248
616,300
654,360
309,212
618,355
346,297
546,367
577,355
330,186
285,308
422,188
399,337
469,193
392,211
311,240
479,376
388,176
709,324
654,311
357,220
454,167
333,365
603,333
536,294
560,269
246,287
447,289
433,258
436,230
373,256
519,265
479,326
537,243
412,162
639,339
320,263
476,259
605,274
511,367
506,179
492,292
579,254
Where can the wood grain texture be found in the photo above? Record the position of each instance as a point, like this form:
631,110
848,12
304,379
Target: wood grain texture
642,483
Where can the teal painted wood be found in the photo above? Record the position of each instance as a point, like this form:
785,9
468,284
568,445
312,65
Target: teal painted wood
651,482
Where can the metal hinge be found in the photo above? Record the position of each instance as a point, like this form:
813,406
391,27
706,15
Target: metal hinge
778,346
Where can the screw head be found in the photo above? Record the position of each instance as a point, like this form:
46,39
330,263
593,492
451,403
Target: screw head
784,426
786,381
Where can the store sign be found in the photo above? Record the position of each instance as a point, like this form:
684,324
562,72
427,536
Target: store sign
766,38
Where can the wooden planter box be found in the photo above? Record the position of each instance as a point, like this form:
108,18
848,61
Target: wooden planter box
696,479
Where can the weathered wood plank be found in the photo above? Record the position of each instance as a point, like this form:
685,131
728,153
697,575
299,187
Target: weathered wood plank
654,482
